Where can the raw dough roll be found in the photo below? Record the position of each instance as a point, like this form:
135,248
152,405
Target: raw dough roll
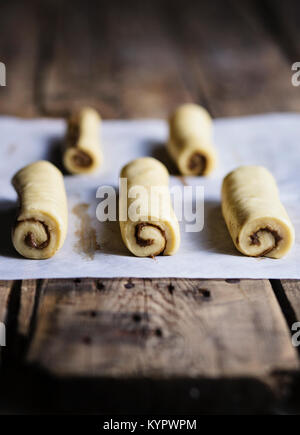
156,230
256,219
41,224
190,140
82,154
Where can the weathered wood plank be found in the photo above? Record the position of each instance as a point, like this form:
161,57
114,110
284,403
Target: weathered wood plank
289,290
160,328
119,59
6,312
283,21
70,78
35,392
5,288
28,297
19,51
233,58
150,79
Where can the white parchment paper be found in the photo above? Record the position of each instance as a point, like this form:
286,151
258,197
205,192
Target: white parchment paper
95,249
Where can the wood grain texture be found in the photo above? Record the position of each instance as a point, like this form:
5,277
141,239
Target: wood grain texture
291,290
5,287
283,23
28,295
19,52
233,58
8,290
160,328
120,60
172,338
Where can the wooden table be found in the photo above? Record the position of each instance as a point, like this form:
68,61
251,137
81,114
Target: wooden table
134,345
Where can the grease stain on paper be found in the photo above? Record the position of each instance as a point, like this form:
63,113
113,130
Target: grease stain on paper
11,149
182,179
86,244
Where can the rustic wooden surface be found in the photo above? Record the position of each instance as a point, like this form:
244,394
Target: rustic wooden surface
132,345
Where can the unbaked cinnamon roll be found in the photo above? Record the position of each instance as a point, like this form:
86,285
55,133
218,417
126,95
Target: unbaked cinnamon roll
190,141
148,223
256,219
83,152
41,225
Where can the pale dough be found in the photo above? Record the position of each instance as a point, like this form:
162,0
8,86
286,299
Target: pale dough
157,231
190,141
41,225
257,221
83,152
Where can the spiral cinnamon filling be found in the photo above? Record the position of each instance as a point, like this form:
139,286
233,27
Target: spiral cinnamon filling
82,159
148,242
197,161
29,237
256,241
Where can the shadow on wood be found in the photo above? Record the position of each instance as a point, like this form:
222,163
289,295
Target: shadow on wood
8,211
30,390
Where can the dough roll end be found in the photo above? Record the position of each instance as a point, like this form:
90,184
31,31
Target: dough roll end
154,230
256,219
190,140
83,152
41,224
